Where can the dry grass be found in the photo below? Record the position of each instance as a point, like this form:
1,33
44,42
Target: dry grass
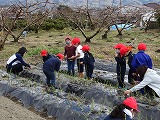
100,48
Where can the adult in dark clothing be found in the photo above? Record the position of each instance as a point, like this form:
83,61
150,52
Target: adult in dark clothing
45,55
141,58
15,63
69,54
88,61
50,66
121,66
124,111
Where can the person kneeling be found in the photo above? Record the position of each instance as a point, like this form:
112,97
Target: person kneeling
150,80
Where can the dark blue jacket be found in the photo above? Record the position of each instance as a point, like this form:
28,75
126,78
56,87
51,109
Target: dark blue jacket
45,58
52,64
141,58
121,64
110,118
88,60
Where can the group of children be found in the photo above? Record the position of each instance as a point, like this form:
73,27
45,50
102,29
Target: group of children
74,51
140,70
141,75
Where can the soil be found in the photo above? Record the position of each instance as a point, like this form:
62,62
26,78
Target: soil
10,110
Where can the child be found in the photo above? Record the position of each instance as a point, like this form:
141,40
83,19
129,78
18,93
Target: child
126,51
88,61
69,54
125,111
50,66
121,65
79,56
45,55
141,58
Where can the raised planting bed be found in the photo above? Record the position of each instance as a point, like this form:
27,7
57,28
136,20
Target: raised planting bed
87,98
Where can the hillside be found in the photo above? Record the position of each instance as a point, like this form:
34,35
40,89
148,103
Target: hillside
92,3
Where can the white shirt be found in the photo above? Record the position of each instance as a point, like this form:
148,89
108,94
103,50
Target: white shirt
78,50
152,79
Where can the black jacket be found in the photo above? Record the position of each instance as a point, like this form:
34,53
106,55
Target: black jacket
88,60
110,118
121,64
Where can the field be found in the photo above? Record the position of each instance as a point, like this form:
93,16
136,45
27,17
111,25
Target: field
54,42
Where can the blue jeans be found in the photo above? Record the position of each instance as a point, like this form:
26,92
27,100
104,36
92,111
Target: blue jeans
70,64
51,79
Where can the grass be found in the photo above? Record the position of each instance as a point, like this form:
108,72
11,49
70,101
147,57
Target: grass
53,41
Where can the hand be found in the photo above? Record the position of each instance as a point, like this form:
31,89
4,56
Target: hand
127,92
136,82
72,57
134,74
65,57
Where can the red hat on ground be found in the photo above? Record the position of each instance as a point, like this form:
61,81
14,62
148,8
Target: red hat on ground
119,46
75,40
131,102
68,37
124,50
44,53
85,48
61,56
142,46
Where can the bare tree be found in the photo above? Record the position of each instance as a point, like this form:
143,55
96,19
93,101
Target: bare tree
95,20
128,16
34,13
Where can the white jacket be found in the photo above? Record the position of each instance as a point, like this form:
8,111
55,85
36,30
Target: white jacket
152,79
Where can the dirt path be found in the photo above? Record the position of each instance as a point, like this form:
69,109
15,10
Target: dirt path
10,110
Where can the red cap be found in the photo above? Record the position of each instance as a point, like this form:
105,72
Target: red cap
61,56
124,50
119,46
142,46
68,37
44,53
85,48
131,102
75,40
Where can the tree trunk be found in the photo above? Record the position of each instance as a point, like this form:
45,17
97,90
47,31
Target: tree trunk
16,39
1,46
105,35
36,30
88,40
119,32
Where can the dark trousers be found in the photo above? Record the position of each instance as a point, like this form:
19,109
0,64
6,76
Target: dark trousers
120,76
70,64
131,78
16,69
79,65
50,77
89,71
